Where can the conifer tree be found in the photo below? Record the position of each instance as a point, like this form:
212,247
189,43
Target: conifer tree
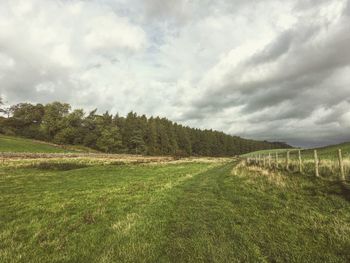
115,134
109,140
151,138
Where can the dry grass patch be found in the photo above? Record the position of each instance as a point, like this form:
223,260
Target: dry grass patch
57,161
124,225
252,173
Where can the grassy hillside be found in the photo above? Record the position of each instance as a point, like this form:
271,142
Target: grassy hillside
185,212
272,151
328,161
17,144
329,152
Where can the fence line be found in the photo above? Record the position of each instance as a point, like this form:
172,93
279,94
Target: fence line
300,162
341,165
333,165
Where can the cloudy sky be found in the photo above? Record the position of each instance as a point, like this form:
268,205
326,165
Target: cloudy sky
275,70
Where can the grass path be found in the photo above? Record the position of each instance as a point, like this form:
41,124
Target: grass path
202,228
170,213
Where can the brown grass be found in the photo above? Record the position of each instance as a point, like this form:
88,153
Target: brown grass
38,160
252,173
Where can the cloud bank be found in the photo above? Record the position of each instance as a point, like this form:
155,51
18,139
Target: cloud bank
264,70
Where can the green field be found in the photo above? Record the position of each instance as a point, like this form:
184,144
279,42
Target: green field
330,152
22,145
181,212
16,144
327,157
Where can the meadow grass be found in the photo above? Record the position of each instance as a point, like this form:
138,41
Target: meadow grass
327,156
264,152
327,152
17,144
11,144
180,212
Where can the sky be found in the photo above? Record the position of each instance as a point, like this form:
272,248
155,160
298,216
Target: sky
268,70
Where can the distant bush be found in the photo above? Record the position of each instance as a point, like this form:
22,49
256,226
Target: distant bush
61,166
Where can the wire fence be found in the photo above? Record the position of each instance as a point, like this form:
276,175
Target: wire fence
331,164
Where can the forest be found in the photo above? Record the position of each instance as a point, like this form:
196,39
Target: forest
58,123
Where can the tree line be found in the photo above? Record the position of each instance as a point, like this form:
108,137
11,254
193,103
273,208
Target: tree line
136,134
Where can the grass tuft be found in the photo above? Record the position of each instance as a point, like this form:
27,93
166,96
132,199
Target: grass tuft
59,166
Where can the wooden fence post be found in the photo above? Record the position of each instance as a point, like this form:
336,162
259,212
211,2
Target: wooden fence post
269,160
341,166
316,164
300,162
287,161
259,159
264,161
276,159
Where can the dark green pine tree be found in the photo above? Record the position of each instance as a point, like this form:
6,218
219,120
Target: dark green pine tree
183,140
163,138
136,143
110,140
129,126
169,126
151,137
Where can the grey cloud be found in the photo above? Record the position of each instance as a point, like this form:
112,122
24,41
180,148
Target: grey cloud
300,83
169,10
305,134
283,44
308,4
24,80
334,113
302,69
184,11
275,50
298,92
347,9
301,137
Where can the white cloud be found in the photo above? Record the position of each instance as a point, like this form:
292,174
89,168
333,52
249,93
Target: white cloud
52,43
107,32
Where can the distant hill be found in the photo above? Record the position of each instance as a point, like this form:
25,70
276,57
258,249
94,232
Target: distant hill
330,152
327,152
